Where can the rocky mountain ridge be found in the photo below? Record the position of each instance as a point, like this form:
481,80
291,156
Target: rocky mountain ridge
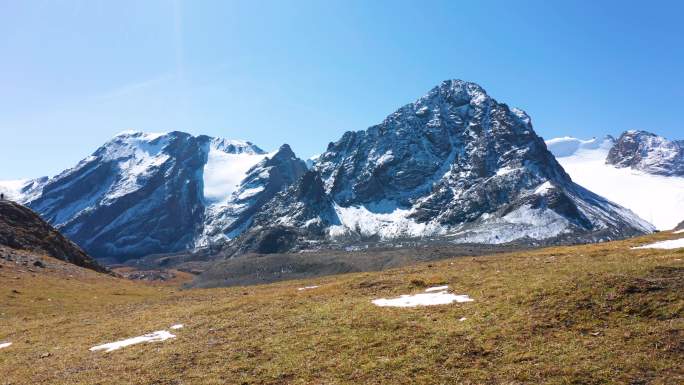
144,193
454,165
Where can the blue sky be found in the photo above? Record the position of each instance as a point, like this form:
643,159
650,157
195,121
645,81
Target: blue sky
75,73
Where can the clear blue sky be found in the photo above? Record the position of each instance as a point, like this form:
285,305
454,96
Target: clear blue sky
74,73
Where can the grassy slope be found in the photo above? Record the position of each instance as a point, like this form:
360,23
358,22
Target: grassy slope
590,314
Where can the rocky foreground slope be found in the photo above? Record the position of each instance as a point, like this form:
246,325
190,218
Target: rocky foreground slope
22,229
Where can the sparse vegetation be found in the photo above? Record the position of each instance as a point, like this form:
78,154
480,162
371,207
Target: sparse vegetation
591,314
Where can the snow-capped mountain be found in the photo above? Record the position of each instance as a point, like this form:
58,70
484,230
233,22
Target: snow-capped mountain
633,171
143,193
644,151
455,163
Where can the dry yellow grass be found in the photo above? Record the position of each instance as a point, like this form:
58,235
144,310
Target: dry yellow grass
591,314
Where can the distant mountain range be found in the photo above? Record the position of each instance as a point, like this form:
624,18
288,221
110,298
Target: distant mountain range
455,165
639,170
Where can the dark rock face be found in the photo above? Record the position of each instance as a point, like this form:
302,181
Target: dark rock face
296,217
22,229
448,139
454,163
452,156
680,226
648,152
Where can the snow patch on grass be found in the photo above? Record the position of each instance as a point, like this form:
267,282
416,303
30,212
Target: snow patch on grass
159,335
433,296
5,345
671,244
307,287
177,326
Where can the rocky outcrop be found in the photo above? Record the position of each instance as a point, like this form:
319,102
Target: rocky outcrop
23,229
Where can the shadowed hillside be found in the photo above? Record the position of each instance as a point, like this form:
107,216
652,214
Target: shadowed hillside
22,229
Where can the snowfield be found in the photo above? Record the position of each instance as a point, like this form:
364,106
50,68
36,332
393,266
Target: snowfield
389,222
657,199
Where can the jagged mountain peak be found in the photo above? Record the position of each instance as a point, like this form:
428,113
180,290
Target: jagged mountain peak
455,131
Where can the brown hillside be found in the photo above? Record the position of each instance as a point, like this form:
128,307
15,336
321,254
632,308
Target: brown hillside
23,229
